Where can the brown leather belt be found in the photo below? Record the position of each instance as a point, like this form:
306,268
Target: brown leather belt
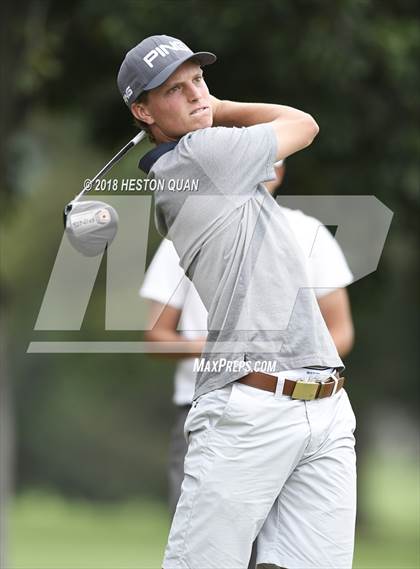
305,390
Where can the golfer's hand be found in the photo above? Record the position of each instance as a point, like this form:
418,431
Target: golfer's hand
216,106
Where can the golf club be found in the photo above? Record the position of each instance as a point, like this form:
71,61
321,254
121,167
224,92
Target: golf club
89,183
92,225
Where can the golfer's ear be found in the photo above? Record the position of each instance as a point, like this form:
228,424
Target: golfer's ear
140,112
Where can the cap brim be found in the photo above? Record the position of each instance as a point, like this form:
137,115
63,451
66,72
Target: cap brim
204,58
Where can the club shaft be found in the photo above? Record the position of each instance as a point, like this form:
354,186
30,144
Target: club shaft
112,163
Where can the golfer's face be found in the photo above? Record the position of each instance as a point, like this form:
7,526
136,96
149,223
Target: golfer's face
182,103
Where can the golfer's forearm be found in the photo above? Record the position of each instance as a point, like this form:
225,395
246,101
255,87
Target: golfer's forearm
231,113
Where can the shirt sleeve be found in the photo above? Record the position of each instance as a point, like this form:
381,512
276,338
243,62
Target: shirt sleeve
328,267
165,281
236,159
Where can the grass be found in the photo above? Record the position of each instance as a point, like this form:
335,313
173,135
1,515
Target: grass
389,539
48,532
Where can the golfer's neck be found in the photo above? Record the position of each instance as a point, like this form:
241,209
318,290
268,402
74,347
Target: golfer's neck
161,136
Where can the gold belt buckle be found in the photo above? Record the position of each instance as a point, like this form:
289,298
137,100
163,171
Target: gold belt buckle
306,390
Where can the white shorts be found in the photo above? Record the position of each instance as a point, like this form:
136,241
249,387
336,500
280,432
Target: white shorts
263,464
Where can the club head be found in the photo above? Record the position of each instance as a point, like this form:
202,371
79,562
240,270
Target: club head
90,226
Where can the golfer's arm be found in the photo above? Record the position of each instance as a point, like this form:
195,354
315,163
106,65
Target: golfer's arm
163,322
294,129
232,113
335,308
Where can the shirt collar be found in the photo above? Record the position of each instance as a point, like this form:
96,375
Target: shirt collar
153,155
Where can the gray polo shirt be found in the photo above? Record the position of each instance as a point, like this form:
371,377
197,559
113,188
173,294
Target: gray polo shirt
237,247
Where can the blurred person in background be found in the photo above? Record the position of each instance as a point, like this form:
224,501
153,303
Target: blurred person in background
176,313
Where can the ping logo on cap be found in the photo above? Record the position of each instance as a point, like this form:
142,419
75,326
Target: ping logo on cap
163,51
127,94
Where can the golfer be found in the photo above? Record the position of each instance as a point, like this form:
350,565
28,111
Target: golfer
270,454
176,313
